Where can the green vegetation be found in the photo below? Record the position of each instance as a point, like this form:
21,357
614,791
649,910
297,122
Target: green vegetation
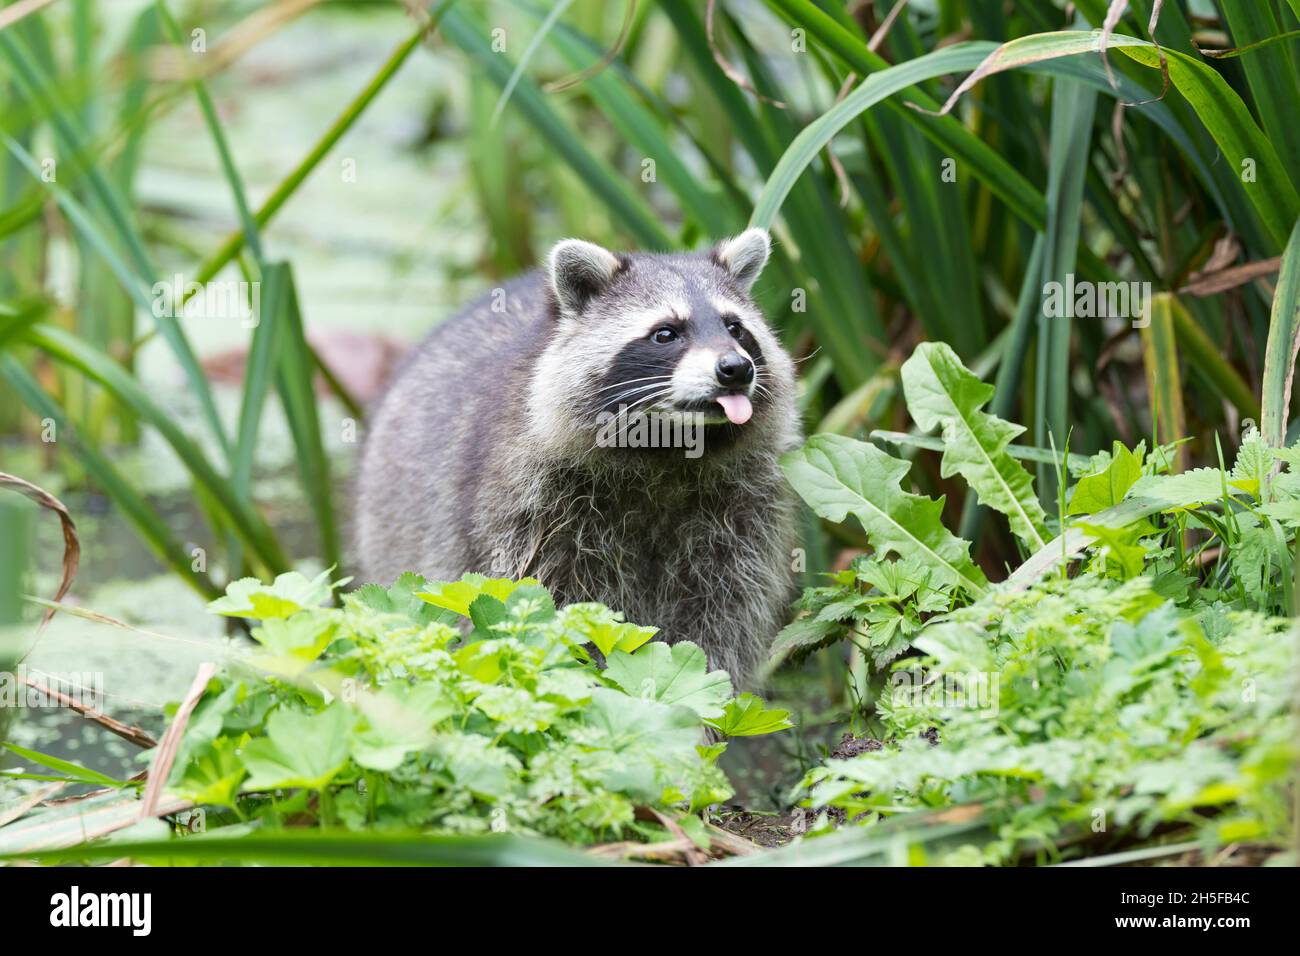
1148,680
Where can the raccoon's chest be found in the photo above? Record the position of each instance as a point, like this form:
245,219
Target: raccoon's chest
635,546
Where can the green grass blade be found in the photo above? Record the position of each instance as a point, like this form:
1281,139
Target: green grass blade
135,285
244,520
295,375
233,243
551,18
1270,73
1073,105
70,770
333,848
642,130
874,89
152,527
1207,359
209,112
1283,340
1006,182
1164,380
631,210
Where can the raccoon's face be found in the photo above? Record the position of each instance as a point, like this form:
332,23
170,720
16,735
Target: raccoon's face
661,333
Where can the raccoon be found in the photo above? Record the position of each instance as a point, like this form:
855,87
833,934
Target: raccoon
503,445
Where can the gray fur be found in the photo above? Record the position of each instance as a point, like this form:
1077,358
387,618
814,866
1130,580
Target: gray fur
481,456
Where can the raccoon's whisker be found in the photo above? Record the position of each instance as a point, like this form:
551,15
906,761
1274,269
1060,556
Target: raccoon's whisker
625,396
633,381
653,396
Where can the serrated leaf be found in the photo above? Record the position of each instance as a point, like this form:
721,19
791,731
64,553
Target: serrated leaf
299,750
748,716
943,393
459,595
1187,490
288,594
401,598
675,675
399,720
598,625
302,637
802,635
839,476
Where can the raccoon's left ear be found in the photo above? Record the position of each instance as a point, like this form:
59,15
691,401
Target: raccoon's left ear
579,271
744,256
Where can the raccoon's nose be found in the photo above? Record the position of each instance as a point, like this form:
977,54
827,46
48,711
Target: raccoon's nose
734,369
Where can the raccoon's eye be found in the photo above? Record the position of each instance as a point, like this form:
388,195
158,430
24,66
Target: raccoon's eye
735,329
664,335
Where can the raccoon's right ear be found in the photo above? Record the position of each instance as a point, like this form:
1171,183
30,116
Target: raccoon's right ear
579,271
744,256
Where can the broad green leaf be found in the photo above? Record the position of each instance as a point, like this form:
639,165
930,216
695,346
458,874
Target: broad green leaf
459,595
303,637
213,774
400,598
748,716
1122,549
299,749
838,476
598,625
1191,489
644,736
677,674
943,393
398,720
290,593
1107,488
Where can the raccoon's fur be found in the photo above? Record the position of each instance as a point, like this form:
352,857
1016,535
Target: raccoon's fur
485,452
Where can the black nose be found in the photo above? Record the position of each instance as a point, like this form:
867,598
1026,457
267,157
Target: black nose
734,369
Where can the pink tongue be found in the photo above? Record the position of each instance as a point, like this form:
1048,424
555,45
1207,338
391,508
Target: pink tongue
737,408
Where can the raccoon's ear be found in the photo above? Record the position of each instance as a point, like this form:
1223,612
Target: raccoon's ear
579,271
744,256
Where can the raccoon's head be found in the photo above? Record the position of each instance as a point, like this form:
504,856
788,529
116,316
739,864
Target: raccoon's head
646,333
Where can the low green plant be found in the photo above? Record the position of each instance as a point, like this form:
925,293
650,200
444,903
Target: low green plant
467,707
1137,671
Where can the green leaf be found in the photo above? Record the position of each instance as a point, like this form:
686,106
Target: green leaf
644,736
459,595
1191,489
299,749
943,393
1122,550
804,634
213,774
838,476
336,848
677,674
302,637
398,720
748,716
401,598
73,771
597,624
290,593
1283,341
1107,488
